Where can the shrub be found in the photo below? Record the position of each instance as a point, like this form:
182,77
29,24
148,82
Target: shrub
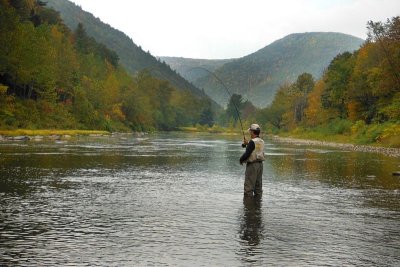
337,126
358,128
390,135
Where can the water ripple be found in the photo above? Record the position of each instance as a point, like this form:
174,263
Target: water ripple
177,201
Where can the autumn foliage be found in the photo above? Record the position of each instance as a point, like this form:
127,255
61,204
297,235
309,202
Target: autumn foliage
52,77
357,88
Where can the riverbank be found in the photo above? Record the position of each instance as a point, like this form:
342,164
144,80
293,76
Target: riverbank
211,130
26,134
391,152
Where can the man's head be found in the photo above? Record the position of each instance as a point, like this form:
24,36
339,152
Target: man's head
254,129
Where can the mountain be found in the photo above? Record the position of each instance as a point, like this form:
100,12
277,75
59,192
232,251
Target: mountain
131,56
53,78
258,76
190,68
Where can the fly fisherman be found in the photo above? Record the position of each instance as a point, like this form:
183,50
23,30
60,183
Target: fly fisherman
253,157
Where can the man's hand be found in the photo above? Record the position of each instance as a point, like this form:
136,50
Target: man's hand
245,142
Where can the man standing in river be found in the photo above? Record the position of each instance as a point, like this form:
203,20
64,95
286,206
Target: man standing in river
253,157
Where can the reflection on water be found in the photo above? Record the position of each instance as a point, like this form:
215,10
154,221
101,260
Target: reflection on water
251,229
176,200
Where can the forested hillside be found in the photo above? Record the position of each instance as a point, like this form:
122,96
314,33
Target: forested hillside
190,68
358,97
258,76
132,57
52,77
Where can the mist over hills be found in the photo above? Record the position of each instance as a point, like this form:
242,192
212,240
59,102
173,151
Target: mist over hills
188,67
131,56
258,76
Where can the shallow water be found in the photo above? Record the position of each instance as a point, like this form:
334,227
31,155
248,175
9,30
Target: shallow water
176,200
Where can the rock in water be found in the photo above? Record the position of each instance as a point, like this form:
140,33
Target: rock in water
21,138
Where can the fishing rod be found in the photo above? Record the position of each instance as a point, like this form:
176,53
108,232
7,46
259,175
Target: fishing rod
229,93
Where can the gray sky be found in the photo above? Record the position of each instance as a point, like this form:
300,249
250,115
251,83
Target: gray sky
232,28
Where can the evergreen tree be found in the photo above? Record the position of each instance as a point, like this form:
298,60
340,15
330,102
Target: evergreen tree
234,107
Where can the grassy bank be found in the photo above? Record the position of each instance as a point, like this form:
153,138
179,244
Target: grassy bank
388,151
27,132
340,131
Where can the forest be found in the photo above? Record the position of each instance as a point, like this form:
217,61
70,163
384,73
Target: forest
357,99
132,57
55,78
52,77
257,76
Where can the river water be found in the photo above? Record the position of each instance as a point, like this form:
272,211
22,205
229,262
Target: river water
176,200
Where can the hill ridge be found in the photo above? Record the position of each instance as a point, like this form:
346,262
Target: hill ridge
258,75
131,55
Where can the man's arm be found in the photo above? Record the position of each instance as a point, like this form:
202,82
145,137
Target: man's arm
249,149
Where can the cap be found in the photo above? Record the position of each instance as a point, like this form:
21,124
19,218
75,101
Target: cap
254,127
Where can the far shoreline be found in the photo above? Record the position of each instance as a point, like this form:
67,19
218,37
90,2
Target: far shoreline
388,151
26,134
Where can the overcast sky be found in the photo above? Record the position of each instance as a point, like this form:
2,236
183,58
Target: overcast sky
232,28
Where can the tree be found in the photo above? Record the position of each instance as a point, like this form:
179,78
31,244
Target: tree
337,81
248,110
274,114
387,35
304,84
315,114
234,107
207,114
88,45
51,77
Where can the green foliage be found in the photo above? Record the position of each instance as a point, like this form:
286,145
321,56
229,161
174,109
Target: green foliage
131,56
336,80
258,76
288,108
358,97
53,78
235,105
88,45
207,114
390,136
337,126
387,133
305,83
392,110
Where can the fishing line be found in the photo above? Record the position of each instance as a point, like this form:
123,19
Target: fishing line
227,90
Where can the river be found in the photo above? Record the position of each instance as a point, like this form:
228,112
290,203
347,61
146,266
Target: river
176,199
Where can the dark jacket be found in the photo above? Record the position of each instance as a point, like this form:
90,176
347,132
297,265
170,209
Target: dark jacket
249,149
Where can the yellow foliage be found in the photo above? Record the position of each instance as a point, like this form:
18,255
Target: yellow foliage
390,136
30,4
56,34
392,130
353,108
117,113
3,89
288,120
314,108
111,87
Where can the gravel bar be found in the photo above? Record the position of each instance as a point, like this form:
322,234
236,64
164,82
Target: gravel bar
391,152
